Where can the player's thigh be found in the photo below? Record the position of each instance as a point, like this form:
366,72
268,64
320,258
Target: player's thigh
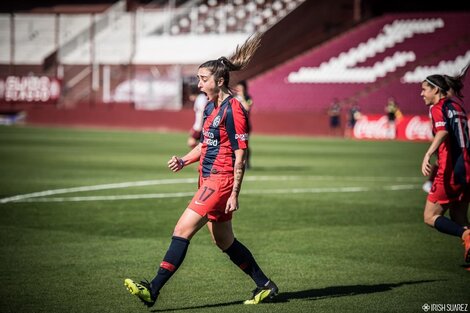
189,224
432,210
221,233
459,213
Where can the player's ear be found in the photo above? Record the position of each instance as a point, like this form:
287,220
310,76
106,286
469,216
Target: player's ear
220,82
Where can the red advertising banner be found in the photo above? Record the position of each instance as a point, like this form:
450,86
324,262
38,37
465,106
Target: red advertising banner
416,127
40,89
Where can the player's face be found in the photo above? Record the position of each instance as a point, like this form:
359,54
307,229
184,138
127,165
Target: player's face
207,83
428,94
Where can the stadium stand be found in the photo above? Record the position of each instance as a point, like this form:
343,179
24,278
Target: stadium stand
234,16
368,64
312,51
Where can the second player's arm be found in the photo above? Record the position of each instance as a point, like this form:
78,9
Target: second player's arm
437,141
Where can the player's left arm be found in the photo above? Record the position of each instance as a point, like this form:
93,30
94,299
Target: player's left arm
236,125
238,173
439,138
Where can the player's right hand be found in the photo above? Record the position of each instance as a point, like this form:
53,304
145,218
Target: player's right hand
175,164
426,166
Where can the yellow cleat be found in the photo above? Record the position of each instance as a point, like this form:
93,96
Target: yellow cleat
263,294
142,290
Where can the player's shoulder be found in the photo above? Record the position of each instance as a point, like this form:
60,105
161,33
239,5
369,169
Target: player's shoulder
438,107
235,104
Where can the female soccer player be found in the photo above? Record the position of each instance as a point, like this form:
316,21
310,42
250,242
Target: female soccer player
221,156
451,186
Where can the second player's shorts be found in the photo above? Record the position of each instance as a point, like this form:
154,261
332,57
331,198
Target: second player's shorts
211,198
443,193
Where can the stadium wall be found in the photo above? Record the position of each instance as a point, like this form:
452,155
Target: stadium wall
123,115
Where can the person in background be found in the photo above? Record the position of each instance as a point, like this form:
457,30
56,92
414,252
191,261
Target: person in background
393,113
354,115
334,113
241,93
200,100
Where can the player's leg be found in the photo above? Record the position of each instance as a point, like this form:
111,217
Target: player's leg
223,237
434,217
459,214
188,225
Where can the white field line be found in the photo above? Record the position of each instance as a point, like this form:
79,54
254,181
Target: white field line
40,196
98,187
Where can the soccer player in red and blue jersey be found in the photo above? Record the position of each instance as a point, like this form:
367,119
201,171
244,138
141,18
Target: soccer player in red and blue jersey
451,187
221,155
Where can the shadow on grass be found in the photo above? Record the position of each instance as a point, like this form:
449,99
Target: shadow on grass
314,294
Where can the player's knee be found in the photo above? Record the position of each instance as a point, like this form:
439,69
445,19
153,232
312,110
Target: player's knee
429,219
222,244
181,232
219,244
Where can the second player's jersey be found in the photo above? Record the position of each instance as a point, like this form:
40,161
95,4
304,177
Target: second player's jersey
454,152
224,130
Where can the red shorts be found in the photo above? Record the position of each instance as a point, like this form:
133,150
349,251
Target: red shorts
211,198
443,193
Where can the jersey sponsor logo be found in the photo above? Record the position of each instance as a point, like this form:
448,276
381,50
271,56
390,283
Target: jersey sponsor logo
208,134
242,137
211,142
216,121
440,124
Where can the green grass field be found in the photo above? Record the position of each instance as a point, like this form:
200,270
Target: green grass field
336,223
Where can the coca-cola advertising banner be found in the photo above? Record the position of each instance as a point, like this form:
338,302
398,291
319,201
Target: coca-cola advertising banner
42,89
417,127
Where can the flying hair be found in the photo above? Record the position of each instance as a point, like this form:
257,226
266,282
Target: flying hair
243,54
456,82
449,84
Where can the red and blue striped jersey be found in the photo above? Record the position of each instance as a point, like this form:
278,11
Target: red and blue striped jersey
454,152
225,129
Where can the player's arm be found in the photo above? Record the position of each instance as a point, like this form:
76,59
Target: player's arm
439,138
238,173
176,164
